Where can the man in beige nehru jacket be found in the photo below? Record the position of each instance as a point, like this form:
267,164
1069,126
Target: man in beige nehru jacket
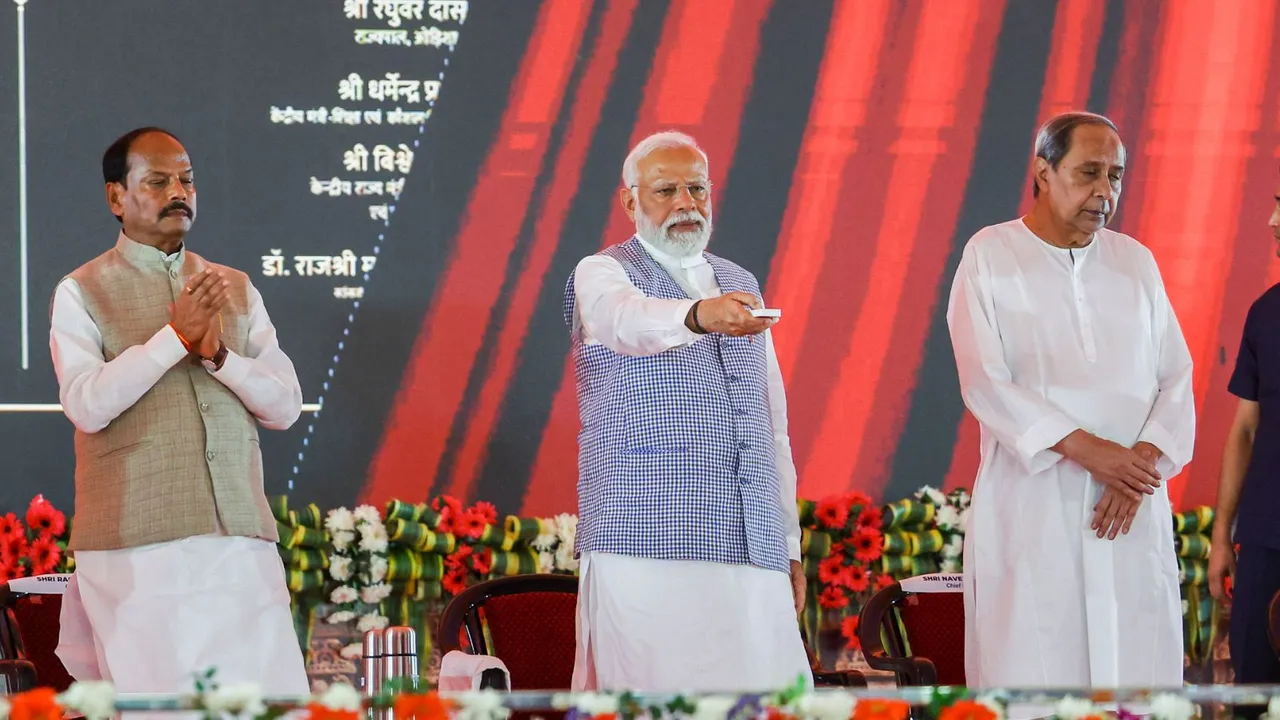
166,365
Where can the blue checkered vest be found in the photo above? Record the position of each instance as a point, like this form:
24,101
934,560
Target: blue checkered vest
675,457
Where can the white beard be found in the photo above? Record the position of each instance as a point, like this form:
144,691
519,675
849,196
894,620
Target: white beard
674,242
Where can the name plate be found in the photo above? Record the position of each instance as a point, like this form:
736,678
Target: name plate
54,584
933,583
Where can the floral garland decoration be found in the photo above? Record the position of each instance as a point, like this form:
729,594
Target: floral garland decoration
469,561
358,564
952,520
847,577
37,548
96,700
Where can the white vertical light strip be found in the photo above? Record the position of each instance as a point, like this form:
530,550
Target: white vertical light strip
22,182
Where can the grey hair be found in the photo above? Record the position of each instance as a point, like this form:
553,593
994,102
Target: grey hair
1053,142
657,141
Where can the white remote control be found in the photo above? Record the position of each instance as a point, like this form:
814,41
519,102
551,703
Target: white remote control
766,312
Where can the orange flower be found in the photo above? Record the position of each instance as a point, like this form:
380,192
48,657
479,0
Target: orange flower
316,711
967,710
38,704
872,709
849,629
422,707
833,598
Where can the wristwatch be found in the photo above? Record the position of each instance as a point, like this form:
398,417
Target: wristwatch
214,364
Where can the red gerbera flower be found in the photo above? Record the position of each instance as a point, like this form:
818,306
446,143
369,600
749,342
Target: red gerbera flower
849,629
870,517
831,513
855,578
446,501
456,561
833,598
486,511
446,521
868,543
11,572
830,568
45,555
11,526
454,582
42,516
13,549
860,499
482,561
469,524
883,581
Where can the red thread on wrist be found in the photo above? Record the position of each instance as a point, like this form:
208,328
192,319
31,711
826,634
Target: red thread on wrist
185,342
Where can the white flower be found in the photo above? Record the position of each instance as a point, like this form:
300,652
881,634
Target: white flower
374,538
340,568
713,707
339,520
546,562
372,621
96,700
481,705
993,703
931,495
368,514
377,569
340,696
948,518
594,704
240,698
342,539
353,651
339,617
949,565
954,547
544,541
375,594
343,594
1071,708
1273,709
566,527
1171,707
826,705
565,559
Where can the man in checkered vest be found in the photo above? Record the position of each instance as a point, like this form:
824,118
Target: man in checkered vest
687,527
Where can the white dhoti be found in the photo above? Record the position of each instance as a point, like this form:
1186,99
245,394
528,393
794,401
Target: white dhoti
151,619
681,626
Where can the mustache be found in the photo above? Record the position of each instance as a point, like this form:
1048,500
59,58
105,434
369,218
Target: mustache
175,206
685,216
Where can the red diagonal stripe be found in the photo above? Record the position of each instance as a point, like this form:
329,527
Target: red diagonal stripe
1077,28
1209,86
946,82
453,329
698,86
583,119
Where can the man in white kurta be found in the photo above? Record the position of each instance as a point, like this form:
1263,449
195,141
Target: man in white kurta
176,566
648,619
1072,361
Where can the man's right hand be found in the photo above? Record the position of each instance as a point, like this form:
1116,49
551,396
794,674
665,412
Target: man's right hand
1222,566
1111,463
730,314
198,304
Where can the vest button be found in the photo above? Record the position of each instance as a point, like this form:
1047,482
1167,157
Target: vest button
744,446
204,407
211,455
733,378
173,273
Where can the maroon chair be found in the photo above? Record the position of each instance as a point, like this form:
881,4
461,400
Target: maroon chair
29,634
917,636
531,625
530,621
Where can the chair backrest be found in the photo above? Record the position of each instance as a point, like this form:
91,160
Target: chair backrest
30,632
918,635
527,621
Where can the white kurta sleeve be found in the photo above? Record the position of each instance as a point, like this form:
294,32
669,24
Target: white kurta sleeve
782,450
264,377
93,391
1021,420
615,313
1171,426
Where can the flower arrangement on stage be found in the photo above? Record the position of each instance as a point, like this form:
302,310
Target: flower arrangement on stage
97,700
952,519
358,565
39,546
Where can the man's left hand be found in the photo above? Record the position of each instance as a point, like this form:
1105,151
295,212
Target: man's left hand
798,583
208,345
1149,452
